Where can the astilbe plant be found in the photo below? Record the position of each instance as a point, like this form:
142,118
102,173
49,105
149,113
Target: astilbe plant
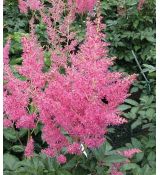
70,105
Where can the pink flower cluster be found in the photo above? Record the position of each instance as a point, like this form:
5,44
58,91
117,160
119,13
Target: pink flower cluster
29,148
7,123
24,5
129,153
74,148
61,159
69,105
83,5
80,6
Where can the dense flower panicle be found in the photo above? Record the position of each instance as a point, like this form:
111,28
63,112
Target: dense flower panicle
62,40
27,121
14,105
16,92
68,104
56,9
15,96
61,159
75,104
33,62
23,6
29,148
91,4
130,153
50,131
93,42
7,123
34,4
74,148
83,5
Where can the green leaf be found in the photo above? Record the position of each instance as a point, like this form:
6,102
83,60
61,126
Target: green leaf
131,102
16,61
147,170
63,172
114,159
22,132
38,128
150,113
129,166
136,123
21,171
100,170
80,171
151,143
134,89
32,108
7,173
10,134
139,156
134,110
18,148
102,151
136,143
47,59
150,67
10,162
108,147
151,156
124,107
71,163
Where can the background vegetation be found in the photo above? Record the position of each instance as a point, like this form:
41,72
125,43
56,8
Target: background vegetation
131,34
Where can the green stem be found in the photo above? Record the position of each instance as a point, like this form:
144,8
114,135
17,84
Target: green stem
34,129
29,134
147,82
18,136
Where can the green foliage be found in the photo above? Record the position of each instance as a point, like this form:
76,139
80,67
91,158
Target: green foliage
13,20
129,29
41,164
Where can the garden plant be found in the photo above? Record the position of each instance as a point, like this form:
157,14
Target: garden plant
79,87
